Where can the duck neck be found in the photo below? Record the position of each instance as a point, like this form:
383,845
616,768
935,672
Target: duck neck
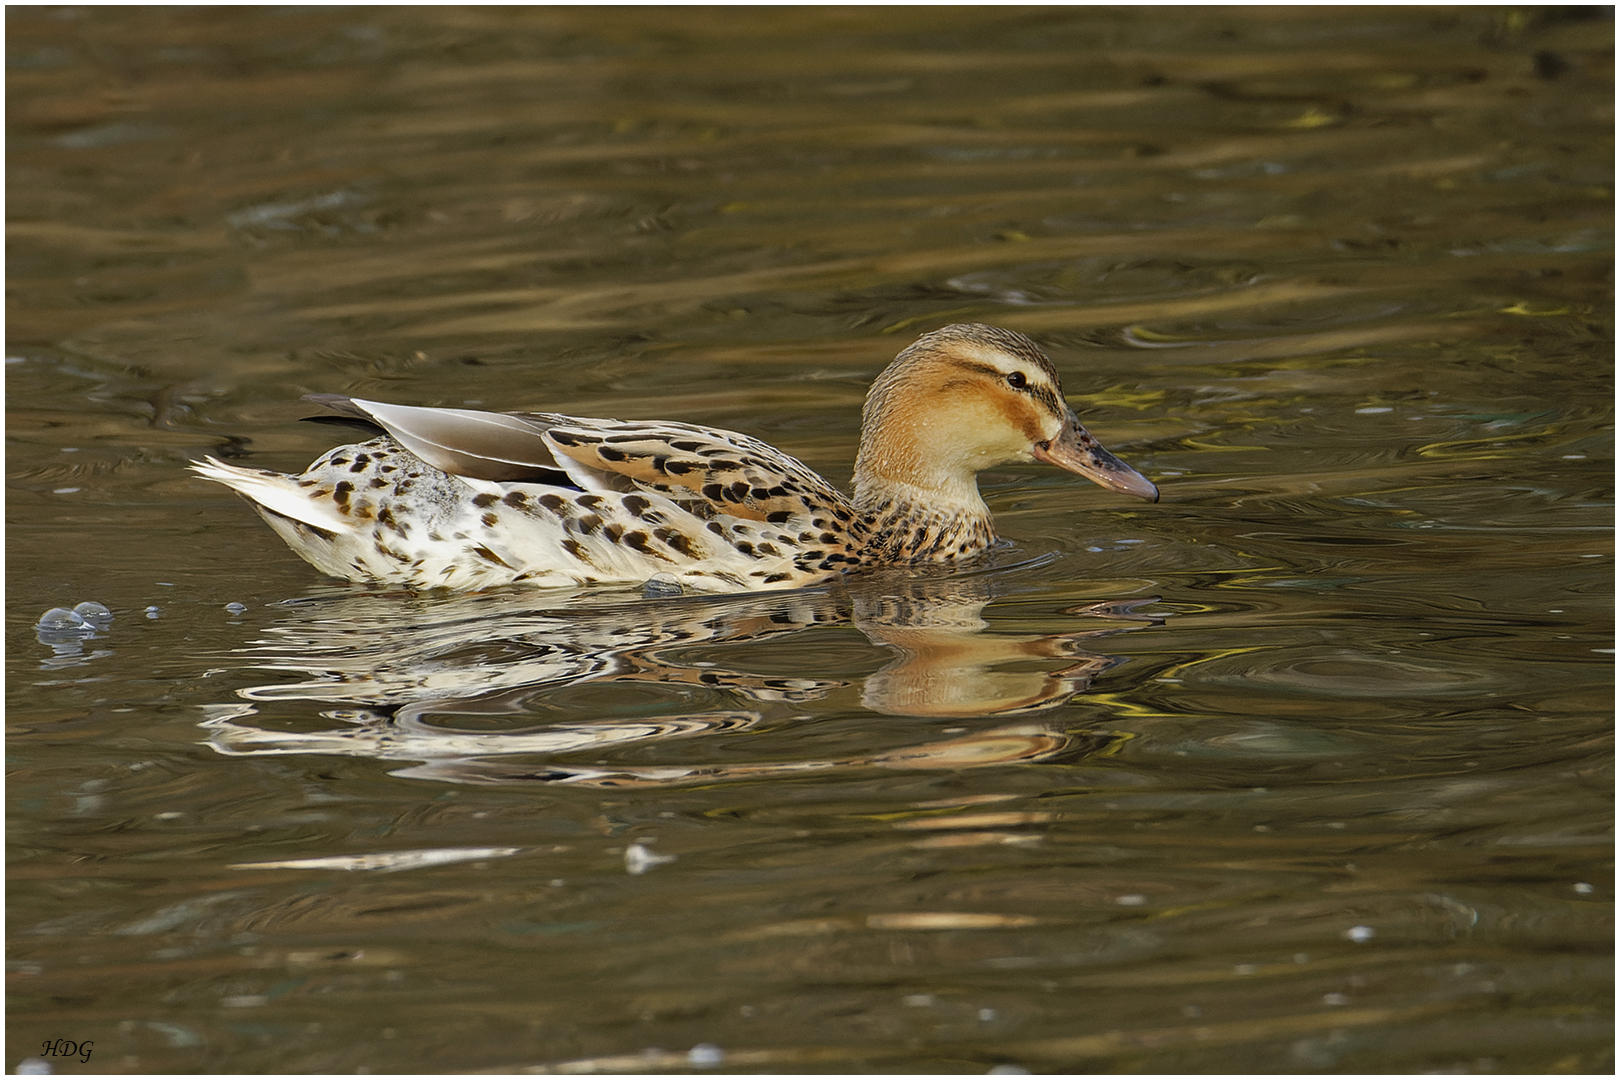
916,493
952,498
905,458
905,521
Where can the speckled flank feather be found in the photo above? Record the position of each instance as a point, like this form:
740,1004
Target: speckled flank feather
546,499
384,515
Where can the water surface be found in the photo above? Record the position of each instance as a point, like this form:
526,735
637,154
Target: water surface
1305,768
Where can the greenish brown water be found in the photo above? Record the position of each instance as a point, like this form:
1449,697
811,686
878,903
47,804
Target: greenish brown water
1307,768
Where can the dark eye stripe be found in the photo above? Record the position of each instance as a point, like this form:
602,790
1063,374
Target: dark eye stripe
1042,394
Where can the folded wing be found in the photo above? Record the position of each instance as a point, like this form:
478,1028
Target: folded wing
709,472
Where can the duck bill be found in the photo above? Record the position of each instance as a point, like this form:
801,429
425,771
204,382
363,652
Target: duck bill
1075,450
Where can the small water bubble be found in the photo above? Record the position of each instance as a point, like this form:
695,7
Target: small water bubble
65,631
638,859
1335,999
59,619
986,1015
1370,410
1360,934
91,611
1130,900
154,612
234,608
65,491
705,1056
1583,887
661,585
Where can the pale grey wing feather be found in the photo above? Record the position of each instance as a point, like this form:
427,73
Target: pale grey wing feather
466,442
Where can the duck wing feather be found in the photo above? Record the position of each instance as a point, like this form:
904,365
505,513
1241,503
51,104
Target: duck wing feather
505,447
708,470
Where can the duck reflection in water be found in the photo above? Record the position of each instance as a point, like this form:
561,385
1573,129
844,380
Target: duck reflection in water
431,681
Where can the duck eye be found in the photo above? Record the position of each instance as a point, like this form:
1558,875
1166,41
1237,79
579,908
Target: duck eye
1017,381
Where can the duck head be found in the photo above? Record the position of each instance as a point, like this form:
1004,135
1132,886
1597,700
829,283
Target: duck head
969,397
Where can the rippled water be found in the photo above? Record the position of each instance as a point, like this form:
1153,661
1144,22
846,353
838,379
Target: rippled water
1305,768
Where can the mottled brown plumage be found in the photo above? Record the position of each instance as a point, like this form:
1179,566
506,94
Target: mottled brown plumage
462,499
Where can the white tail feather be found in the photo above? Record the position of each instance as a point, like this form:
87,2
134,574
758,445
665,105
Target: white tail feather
273,491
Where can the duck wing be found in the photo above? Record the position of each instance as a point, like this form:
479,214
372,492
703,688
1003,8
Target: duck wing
709,471
505,447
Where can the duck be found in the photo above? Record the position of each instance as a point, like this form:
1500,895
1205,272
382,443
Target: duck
467,500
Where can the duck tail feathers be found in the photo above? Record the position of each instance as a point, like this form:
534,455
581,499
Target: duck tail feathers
274,492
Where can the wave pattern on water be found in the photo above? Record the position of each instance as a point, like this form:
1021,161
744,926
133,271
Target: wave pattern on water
1338,280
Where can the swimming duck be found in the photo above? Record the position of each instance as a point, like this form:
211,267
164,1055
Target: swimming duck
462,499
